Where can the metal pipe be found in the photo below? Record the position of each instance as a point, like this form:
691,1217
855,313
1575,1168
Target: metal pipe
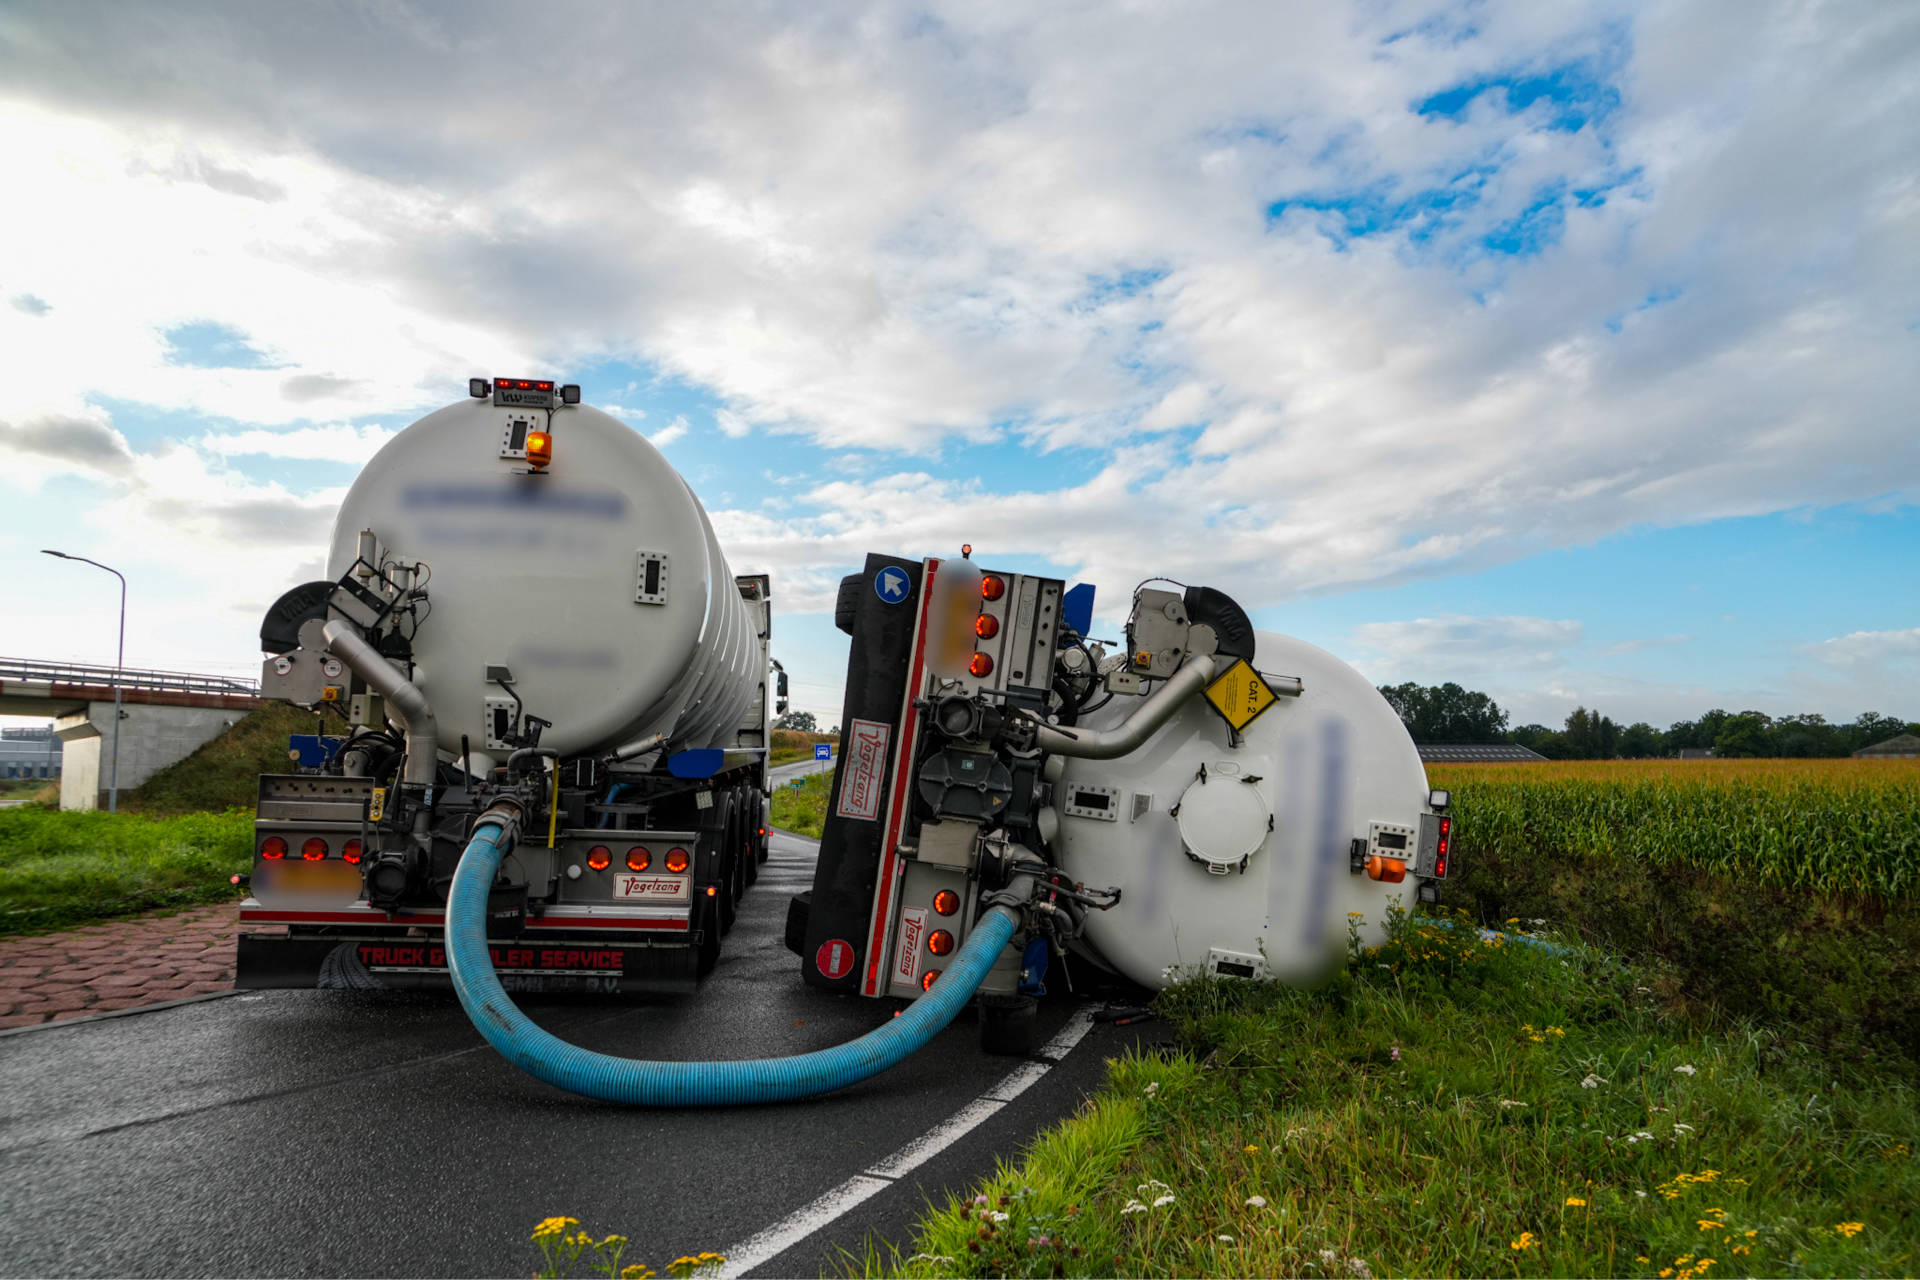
639,746
404,699
1108,744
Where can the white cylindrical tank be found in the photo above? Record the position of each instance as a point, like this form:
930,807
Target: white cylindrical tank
548,575
1246,872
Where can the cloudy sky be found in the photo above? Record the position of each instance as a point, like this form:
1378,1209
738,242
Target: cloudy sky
1568,351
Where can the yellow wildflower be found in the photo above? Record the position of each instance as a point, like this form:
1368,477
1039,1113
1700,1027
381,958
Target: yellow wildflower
1665,1272
1849,1229
636,1272
1706,1224
1251,1149
1577,1202
1526,1241
1643,1258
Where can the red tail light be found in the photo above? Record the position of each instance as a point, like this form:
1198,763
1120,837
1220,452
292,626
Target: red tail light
599,857
992,587
1446,842
274,847
350,851
314,849
677,860
940,942
980,664
946,902
986,626
639,858
926,981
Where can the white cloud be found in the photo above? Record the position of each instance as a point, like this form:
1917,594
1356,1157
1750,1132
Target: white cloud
340,442
982,222
671,432
1866,647
1456,646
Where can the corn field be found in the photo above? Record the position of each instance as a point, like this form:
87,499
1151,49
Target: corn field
1845,826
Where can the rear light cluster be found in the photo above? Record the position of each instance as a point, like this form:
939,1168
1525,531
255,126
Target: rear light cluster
639,858
986,626
1446,843
273,848
678,861
599,857
315,849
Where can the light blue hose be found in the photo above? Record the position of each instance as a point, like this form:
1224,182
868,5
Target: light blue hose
685,1084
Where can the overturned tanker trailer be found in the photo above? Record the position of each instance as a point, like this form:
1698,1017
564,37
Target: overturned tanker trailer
523,600
1203,798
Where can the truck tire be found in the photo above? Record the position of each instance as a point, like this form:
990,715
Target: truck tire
751,841
1008,1025
706,918
847,603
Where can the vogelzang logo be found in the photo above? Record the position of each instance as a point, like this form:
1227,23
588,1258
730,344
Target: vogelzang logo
863,766
912,921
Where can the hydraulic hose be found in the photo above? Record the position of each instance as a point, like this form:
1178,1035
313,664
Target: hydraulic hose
637,1082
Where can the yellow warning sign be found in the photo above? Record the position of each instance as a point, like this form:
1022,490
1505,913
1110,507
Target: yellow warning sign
1239,694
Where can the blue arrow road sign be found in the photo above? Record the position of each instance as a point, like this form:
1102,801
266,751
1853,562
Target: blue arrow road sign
823,751
891,584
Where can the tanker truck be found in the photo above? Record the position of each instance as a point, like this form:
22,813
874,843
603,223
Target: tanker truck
551,768
522,597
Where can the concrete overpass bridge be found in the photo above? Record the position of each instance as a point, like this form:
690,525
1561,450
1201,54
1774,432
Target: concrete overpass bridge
164,715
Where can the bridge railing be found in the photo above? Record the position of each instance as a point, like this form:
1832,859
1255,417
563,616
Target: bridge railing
127,677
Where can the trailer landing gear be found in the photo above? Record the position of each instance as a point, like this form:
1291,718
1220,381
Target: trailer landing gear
1008,1025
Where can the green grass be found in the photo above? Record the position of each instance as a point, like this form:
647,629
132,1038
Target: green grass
224,773
803,809
58,870
17,788
1439,1109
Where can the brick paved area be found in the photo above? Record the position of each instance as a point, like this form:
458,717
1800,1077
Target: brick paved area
119,965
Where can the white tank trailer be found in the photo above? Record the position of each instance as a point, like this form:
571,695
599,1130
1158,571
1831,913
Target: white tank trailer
1193,798
523,598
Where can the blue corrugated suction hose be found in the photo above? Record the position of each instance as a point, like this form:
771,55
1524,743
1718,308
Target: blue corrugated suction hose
685,1084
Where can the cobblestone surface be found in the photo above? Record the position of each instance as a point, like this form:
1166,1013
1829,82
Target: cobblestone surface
120,965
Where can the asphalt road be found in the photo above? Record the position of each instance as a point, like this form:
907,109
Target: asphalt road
346,1133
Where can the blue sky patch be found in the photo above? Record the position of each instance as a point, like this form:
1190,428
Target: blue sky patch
208,344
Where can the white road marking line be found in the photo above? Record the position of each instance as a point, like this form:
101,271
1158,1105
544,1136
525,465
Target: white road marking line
804,1221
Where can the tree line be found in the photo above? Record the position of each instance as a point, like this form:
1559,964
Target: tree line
1449,713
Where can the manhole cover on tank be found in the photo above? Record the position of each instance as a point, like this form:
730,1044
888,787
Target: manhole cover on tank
1223,820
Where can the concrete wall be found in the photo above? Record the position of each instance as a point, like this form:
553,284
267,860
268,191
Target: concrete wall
151,738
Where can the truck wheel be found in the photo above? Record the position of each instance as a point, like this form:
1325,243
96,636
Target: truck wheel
729,874
847,603
707,919
1008,1025
749,838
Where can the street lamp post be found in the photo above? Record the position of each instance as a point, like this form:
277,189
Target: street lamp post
119,663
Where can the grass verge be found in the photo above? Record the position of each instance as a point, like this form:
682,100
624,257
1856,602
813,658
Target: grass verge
224,773
802,809
1448,1107
58,870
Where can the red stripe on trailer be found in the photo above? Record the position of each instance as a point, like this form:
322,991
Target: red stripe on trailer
434,918
902,789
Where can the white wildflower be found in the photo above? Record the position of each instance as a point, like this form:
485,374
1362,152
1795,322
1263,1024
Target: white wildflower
1641,1194
1684,1069
1510,1103
1256,1202
1152,1182
1684,1127
1133,1206
1153,1088
1224,1239
1163,1202
1592,1081
1357,1268
998,1216
1328,1255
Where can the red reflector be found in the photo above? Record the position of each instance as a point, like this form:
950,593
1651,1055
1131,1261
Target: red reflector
274,847
599,857
677,860
350,851
980,664
314,849
639,858
992,587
